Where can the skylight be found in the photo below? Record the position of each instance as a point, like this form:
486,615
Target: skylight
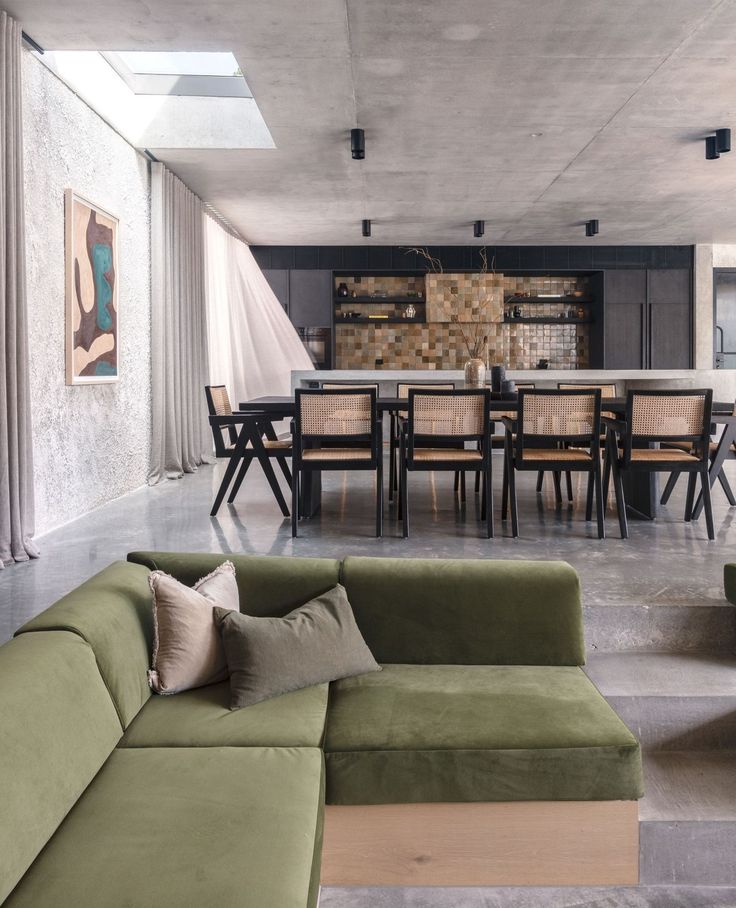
184,63
203,75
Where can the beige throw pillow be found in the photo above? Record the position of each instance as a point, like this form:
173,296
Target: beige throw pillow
315,643
187,649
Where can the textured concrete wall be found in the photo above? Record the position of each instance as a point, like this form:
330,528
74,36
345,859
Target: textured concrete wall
91,443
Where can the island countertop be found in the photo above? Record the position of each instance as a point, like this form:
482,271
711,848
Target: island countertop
722,381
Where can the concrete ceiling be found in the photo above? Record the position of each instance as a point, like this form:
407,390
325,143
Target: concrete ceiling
534,115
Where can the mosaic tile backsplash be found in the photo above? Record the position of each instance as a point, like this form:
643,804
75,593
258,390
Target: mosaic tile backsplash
438,343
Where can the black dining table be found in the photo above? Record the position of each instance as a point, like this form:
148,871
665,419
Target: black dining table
641,490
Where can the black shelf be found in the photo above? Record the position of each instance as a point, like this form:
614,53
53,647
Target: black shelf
393,320
383,300
547,320
554,300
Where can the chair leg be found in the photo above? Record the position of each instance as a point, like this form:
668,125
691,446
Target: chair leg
477,482
284,468
618,489
295,503
226,480
392,460
568,480
600,504
726,486
512,499
669,488
456,485
540,480
275,487
505,488
558,486
404,492
247,461
462,485
488,498
379,498
589,497
692,479
707,504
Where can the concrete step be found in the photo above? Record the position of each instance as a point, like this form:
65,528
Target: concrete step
688,819
679,627
671,702
534,897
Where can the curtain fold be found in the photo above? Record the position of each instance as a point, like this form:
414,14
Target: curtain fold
16,457
252,344
181,439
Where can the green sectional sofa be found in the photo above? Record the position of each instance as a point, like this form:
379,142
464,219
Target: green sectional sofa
481,722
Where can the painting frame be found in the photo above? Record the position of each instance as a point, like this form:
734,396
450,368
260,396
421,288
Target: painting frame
75,205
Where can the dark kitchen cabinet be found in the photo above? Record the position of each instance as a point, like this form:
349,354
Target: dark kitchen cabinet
310,298
625,304
648,319
278,278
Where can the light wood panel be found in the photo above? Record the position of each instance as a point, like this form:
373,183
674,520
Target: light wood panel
522,843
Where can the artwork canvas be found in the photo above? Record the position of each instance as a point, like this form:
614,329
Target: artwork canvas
92,335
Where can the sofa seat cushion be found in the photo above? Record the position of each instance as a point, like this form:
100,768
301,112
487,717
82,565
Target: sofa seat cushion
450,733
180,827
203,718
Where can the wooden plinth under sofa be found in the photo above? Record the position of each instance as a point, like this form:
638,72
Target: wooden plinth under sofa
480,755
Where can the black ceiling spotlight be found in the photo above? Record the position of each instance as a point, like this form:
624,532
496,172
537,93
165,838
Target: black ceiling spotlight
723,140
711,149
366,227
357,144
479,228
591,227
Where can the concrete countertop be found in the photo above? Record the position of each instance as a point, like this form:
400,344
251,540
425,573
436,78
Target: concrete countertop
723,381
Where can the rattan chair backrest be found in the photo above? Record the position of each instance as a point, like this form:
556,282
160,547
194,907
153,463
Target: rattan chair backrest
669,415
559,414
218,400
336,413
403,388
608,391
218,404
449,414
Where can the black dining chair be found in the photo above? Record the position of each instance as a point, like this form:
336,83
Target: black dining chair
659,418
336,429
554,430
243,438
434,438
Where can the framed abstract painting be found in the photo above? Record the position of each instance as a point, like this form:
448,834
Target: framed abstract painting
92,331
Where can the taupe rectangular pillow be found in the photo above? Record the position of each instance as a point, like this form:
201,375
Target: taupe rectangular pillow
316,643
187,649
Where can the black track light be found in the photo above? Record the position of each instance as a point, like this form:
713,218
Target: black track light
366,227
357,144
479,228
591,227
711,149
723,140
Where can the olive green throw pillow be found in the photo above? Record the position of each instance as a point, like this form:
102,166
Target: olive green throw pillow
316,643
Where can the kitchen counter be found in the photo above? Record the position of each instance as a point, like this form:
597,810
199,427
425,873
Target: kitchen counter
723,381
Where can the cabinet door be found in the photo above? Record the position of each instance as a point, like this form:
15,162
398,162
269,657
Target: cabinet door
621,288
278,278
624,335
310,298
670,336
670,319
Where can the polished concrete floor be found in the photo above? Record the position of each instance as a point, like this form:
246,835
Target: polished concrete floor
661,589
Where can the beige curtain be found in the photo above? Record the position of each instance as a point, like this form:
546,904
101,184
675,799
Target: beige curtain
16,460
181,439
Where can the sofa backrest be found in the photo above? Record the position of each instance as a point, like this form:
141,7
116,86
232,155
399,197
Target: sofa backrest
269,585
58,726
467,612
112,612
